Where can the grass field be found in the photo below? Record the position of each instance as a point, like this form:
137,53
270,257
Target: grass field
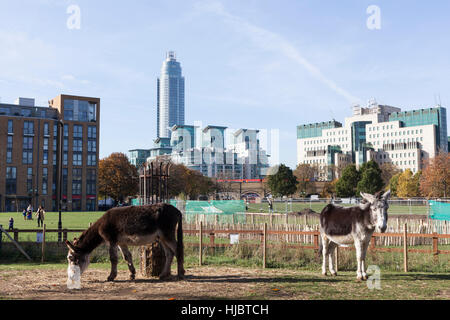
281,207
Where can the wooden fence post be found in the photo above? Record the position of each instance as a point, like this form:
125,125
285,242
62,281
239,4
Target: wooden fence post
336,258
405,248
264,244
211,242
200,244
316,242
435,246
43,244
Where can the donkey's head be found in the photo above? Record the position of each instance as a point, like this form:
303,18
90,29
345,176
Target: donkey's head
76,257
378,209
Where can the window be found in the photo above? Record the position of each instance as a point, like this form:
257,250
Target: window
77,159
46,131
77,131
44,180
92,132
9,147
27,150
28,127
77,145
66,130
11,182
29,180
76,187
76,181
65,144
45,144
45,157
92,160
10,127
92,146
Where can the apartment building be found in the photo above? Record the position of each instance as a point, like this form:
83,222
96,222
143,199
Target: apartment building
29,148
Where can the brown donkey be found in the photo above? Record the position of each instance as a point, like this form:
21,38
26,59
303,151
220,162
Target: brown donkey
133,225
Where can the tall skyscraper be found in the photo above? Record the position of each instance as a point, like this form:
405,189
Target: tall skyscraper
170,96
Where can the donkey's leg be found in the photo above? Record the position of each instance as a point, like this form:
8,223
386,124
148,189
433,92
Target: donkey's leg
331,250
126,254
114,260
169,257
358,247
365,245
325,243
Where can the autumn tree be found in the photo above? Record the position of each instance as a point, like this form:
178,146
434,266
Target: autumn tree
408,184
393,184
435,179
305,174
117,177
388,170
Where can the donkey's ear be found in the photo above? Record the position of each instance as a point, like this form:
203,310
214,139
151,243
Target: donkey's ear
368,197
387,195
69,245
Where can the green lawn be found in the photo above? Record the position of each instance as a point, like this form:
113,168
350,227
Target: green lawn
280,207
69,219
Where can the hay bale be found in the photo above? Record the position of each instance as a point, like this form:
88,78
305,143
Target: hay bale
152,260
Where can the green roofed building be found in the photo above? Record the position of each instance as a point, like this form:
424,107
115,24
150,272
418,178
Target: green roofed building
381,133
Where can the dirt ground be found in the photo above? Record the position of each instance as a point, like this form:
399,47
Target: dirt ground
199,283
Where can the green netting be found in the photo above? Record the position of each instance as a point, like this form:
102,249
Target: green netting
222,211
439,210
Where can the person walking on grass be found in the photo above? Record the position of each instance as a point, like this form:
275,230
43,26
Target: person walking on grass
24,212
40,216
30,212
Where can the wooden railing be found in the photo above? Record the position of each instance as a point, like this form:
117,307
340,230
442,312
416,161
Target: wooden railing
264,233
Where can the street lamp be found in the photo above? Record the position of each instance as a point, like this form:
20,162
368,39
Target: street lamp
59,153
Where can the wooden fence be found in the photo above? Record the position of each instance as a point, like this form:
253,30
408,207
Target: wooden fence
286,235
311,236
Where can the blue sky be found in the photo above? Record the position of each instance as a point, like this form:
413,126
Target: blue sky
262,64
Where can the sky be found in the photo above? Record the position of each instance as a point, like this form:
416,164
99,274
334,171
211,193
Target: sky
259,64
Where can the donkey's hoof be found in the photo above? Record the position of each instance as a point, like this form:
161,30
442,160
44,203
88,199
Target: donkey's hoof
324,274
180,277
132,276
334,274
164,277
111,277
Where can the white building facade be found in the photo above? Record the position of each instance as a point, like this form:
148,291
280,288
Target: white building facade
378,132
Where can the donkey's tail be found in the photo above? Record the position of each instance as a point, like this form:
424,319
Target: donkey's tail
180,246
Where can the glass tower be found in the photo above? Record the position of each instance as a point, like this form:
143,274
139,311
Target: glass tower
170,96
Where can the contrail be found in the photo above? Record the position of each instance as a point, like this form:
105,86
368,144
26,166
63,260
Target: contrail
269,40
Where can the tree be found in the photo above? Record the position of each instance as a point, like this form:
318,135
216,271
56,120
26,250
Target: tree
388,170
329,189
408,184
393,184
117,177
283,182
346,185
435,179
305,174
371,180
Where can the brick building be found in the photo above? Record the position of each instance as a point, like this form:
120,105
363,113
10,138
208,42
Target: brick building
28,153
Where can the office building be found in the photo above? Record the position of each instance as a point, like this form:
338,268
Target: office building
377,132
